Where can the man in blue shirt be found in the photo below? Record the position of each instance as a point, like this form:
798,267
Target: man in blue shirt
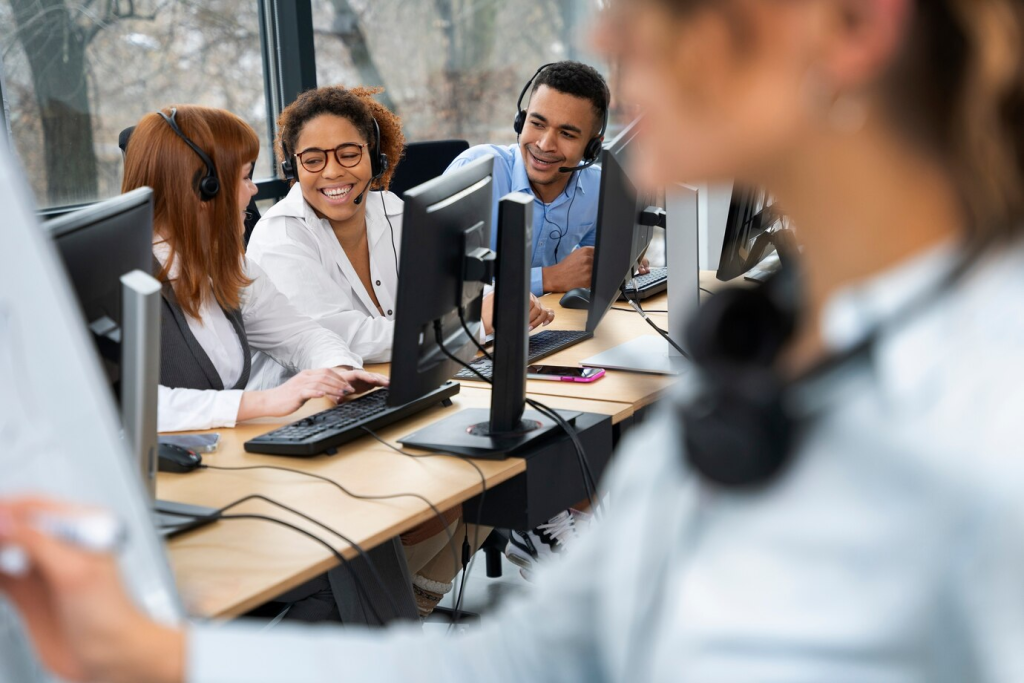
565,115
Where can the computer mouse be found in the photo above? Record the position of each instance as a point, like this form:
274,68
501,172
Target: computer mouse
578,298
176,459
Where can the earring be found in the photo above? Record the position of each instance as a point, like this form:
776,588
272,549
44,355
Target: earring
848,114
845,113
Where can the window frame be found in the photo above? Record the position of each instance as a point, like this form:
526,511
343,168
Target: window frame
289,69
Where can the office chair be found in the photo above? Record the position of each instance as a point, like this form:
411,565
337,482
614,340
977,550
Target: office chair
252,212
423,161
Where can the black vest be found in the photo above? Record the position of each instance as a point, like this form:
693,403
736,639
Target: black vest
183,362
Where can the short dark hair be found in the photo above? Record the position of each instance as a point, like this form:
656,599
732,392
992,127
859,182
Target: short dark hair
579,80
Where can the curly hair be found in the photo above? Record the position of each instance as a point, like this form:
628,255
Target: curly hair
579,80
355,104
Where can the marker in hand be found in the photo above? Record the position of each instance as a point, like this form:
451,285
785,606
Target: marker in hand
95,532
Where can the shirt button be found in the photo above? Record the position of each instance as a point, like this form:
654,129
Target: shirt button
378,283
389,311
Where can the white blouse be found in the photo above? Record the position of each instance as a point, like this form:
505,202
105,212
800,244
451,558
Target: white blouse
271,325
301,254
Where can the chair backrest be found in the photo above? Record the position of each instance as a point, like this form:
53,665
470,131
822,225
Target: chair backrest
425,161
252,212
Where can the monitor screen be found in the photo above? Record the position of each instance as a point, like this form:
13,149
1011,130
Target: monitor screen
751,215
97,245
620,239
445,220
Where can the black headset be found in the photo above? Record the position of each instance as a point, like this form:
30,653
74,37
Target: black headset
379,163
741,428
209,185
592,153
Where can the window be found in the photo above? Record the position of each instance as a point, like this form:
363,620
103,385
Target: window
74,73
451,68
77,72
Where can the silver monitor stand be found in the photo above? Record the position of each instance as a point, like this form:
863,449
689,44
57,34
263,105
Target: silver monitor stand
140,377
650,353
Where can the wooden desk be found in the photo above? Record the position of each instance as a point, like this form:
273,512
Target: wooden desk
634,389
228,568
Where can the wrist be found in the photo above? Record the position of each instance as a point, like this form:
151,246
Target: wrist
253,404
547,278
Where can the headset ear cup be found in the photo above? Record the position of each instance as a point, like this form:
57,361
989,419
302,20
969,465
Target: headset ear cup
382,166
739,438
519,122
288,169
593,151
209,187
739,328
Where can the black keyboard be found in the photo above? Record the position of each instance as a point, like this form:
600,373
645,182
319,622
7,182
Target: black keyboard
330,428
648,285
541,344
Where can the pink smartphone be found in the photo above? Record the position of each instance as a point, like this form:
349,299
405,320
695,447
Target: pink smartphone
563,373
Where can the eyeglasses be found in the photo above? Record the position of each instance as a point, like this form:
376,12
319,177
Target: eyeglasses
347,154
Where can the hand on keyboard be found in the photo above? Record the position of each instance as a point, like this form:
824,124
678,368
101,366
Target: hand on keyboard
362,381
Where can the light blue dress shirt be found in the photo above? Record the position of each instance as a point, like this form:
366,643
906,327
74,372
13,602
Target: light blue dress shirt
891,550
559,227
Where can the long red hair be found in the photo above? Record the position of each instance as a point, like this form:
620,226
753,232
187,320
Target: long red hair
205,237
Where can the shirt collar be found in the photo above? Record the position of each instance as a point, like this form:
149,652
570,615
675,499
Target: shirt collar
855,311
295,205
906,357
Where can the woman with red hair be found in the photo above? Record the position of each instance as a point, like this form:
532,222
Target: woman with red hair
218,308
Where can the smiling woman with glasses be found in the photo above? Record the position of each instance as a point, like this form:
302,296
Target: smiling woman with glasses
331,246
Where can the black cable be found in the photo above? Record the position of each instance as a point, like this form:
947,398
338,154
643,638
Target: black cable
630,310
437,512
456,612
589,483
363,595
664,335
560,233
706,291
635,303
393,249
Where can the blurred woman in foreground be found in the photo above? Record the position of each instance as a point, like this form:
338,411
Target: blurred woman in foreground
890,545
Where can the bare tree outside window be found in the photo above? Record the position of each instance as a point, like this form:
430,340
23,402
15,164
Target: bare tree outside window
77,72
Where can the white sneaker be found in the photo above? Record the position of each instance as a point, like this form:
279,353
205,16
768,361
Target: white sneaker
526,548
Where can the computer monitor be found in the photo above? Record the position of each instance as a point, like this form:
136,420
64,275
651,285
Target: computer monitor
445,261
755,233
107,253
58,424
621,238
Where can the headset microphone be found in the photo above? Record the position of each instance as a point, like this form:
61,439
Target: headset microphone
359,198
573,169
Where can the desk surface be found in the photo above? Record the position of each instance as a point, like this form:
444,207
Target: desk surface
634,389
231,567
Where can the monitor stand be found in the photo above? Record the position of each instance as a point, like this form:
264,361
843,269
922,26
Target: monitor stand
469,432
505,429
173,518
650,353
